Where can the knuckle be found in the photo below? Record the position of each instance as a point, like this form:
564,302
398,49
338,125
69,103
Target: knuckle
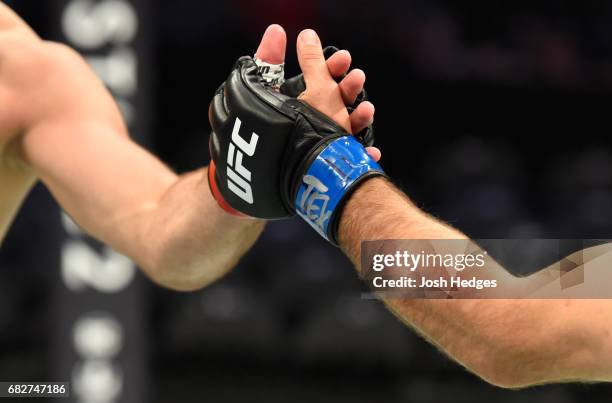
311,52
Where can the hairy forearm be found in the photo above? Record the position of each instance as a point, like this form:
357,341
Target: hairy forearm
508,342
515,343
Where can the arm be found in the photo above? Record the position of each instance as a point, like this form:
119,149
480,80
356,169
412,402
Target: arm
64,128
170,225
549,341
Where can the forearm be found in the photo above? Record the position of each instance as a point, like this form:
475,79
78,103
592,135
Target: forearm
71,135
548,341
514,343
122,195
191,240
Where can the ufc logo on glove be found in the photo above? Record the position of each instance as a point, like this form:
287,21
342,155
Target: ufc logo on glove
239,177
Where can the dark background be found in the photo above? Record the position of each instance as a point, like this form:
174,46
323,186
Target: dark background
491,115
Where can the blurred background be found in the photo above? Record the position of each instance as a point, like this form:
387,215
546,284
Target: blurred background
491,115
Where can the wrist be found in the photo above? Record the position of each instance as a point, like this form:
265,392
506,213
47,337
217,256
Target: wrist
352,218
216,194
329,179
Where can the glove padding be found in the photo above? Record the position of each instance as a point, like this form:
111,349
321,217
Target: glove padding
262,144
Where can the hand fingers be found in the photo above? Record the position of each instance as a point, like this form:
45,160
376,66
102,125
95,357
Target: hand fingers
339,63
362,116
273,45
352,85
374,152
311,59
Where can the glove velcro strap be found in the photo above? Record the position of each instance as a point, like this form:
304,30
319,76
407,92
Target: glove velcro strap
331,177
214,189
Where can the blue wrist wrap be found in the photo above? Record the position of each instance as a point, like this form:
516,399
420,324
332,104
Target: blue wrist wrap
329,179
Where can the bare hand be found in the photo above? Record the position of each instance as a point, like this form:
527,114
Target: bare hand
322,91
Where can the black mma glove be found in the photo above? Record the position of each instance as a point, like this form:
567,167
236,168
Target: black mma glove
274,155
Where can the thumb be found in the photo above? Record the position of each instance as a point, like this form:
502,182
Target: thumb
273,45
311,59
